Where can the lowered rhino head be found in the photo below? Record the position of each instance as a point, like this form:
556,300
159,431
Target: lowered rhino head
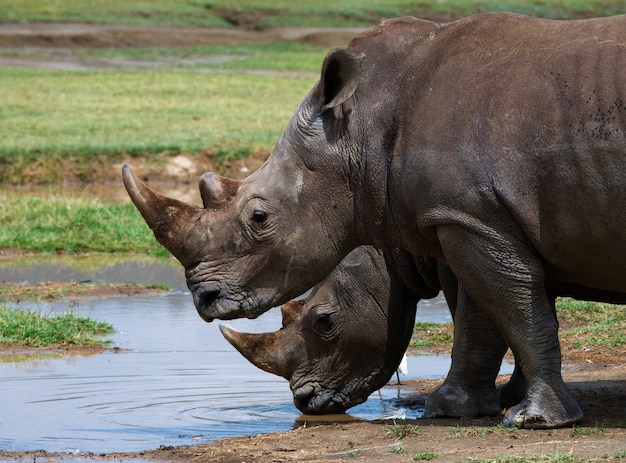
347,338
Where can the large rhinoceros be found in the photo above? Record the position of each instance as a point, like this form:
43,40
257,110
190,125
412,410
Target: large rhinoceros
495,144
347,338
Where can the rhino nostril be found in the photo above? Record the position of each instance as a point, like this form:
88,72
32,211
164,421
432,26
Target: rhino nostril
304,392
204,296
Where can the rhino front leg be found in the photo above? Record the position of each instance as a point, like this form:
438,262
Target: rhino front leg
507,281
469,388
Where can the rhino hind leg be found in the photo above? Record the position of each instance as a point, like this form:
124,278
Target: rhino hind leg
507,280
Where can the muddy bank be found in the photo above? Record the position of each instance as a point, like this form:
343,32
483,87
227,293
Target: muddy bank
600,390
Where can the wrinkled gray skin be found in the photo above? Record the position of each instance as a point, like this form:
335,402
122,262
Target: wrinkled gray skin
495,144
346,339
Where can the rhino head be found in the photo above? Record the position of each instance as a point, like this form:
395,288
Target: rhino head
347,338
258,242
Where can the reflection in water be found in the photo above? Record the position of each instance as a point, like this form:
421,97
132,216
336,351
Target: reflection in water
175,380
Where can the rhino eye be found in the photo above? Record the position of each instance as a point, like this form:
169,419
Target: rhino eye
259,216
324,321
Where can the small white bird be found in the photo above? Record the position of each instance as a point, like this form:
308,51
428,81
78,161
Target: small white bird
403,368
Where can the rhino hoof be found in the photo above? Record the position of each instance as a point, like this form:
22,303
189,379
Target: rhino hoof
531,416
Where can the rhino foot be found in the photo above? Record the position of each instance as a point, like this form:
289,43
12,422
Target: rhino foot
547,411
454,400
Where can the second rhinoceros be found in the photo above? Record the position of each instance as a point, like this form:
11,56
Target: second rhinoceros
495,144
346,339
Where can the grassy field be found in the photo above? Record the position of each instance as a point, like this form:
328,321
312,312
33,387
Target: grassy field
266,13
49,116
86,115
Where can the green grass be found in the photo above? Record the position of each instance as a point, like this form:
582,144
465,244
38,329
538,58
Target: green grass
428,334
463,431
281,12
271,56
401,430
592,324
74,225
597,324
56,116
24,328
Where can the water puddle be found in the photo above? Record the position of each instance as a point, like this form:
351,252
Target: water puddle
175,380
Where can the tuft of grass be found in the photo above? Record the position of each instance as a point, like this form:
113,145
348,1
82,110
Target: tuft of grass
397,450
549,458
400,431
425,456
598,428
24,328
462,431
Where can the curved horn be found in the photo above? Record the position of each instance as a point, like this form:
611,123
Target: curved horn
216,191
262,350
170,219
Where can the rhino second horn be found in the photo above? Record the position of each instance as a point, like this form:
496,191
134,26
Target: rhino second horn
259,349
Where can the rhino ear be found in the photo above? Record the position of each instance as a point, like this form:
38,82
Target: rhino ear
341,72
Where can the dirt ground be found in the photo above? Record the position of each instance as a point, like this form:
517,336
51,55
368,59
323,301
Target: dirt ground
597,381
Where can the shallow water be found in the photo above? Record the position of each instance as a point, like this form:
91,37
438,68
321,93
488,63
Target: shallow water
176,380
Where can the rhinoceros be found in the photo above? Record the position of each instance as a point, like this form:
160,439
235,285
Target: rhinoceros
347,338
495,144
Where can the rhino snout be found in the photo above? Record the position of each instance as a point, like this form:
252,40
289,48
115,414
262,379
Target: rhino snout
308,399
204,297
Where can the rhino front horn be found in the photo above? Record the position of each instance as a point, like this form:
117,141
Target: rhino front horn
171,220
262,349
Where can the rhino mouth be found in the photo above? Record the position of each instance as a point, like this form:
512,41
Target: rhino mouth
309,400
205,298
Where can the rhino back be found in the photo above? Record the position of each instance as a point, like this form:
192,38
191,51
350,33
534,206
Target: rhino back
513,121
